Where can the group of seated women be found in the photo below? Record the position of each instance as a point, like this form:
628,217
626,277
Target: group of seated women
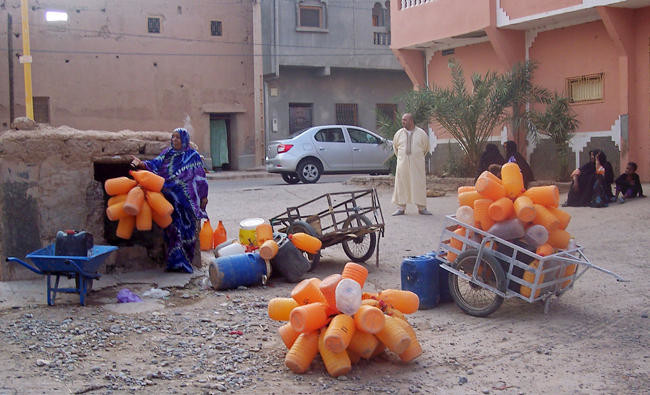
591,184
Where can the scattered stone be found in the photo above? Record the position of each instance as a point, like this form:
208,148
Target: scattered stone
486,391
42,362
23,123
462,380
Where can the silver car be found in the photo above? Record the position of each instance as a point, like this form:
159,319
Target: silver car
328,149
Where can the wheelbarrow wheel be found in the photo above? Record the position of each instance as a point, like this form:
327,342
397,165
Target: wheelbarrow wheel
304,227
471,297
361,247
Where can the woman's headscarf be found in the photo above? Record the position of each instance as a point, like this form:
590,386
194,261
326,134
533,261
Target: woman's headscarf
185,181
490,156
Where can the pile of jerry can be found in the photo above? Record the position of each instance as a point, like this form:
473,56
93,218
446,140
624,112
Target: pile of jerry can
257,253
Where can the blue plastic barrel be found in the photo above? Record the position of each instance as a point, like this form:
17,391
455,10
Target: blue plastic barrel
228,272
420,276
443,278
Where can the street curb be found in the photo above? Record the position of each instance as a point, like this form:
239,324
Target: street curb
237,175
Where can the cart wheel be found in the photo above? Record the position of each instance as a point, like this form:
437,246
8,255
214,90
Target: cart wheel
304,227
360,248
290,178
472,298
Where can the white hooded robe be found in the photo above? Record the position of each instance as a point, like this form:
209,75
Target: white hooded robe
410,176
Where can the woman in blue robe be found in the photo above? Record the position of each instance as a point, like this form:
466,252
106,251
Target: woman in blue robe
186,188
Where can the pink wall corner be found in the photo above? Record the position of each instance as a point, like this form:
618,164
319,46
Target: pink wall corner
509,45
521,8
589,51
477,58
639,137
413,63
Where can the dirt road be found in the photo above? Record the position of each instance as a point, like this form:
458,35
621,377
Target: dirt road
593,340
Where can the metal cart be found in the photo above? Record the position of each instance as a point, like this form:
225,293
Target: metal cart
352,218
82,268
488,270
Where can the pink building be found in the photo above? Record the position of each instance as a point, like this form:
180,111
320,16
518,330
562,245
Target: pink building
596,52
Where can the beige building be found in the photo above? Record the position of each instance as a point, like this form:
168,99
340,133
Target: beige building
141,65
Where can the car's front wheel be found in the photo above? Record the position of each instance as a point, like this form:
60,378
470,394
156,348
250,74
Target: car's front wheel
290,178
309,170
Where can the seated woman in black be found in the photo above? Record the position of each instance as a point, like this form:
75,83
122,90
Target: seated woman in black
582,182
512,155
491,156
601,188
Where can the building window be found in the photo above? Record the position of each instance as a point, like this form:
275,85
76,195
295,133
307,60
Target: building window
347,114
41,109
380,38
300,116
386,111
215,28
387,13
585,88
56,16
153,24
378,15
311,16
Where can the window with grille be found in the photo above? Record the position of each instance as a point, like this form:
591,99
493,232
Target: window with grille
347,114
380,38
215,28
585,88
153,24
41,109
310,16
387,110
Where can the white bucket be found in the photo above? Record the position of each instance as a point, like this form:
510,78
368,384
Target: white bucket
231,249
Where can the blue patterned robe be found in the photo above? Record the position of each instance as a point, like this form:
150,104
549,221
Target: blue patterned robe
185,186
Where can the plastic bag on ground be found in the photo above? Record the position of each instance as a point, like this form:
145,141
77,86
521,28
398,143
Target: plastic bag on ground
126,296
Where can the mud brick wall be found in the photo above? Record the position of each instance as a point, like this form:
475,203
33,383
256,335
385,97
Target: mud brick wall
51,179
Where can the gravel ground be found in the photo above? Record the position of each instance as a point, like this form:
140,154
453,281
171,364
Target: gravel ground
593,340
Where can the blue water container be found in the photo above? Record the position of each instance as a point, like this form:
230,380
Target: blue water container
228,272
420,276
443,278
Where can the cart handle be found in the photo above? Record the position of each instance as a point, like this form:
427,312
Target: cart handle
27,265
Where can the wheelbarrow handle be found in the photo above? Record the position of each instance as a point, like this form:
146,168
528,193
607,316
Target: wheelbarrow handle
27,265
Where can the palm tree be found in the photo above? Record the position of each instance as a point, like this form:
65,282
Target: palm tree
559,123
521,93
471,116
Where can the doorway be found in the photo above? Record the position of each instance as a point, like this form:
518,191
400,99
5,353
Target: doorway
220,141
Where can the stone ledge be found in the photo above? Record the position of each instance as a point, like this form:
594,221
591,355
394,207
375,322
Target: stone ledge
447,184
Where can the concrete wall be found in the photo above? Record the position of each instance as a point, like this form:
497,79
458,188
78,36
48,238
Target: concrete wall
102,69
49,182
364,87
345,41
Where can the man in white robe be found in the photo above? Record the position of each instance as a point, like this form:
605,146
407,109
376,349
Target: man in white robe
410,144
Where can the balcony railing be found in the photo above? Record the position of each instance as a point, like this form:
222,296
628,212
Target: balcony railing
413,3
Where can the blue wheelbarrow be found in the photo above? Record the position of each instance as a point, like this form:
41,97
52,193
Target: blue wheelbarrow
82,268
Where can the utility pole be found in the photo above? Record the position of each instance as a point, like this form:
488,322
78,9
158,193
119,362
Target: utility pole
26,60
10,58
